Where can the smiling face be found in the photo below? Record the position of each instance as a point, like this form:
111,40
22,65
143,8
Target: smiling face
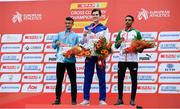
96,16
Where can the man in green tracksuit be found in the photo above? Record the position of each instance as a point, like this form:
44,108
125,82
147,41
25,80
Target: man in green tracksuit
127,59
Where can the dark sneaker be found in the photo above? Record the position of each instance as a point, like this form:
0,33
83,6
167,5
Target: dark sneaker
56,102
132,103
119,102
74,103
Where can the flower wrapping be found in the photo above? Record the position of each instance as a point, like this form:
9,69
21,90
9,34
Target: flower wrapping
78,51
102,49
139,46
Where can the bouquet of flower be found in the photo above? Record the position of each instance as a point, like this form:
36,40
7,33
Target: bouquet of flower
85,52
139,46
77,50
102,49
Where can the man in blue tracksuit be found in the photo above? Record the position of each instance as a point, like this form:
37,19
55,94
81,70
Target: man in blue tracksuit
92,33
62,42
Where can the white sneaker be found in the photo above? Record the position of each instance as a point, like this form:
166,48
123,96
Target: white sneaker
85,103
102,102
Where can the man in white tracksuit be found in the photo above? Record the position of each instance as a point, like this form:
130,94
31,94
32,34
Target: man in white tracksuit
127,59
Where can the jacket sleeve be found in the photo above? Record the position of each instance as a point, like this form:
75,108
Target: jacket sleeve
117,39
106,34
77,39
55,39
139,37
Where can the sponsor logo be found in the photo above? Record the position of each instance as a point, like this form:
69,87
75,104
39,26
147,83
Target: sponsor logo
143,78
48,48
169,88
147,67
32,77
146,14
11,57
10,77
147,88
147,78
169,78
94,88
80,67
143,14
32,68
115,57
114,88
32,58
114,78
169,56
49,88
19,17
33,37
169,46
11,47
115,67
174,35
49,37
10,87
10,67
50,68
147,57
50,78
33,48
149,35
141,88
108,66
10,38
32,88
79,78
126,88
169,67
50,58
79,88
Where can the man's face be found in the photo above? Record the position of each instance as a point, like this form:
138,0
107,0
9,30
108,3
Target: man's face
128,21
96,16
69,24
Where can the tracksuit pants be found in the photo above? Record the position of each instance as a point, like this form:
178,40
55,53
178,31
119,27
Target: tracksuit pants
133,67
71,70
90,63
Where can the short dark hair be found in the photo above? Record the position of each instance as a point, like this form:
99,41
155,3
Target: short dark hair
130,16
70,19
94,10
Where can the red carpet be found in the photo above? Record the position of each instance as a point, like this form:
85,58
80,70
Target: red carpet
79,106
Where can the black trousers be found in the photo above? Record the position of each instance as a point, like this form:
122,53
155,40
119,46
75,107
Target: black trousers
71,70
133,67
